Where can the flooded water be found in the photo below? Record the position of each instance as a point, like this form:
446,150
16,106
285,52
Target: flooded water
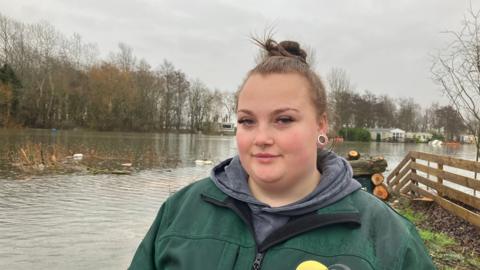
84,221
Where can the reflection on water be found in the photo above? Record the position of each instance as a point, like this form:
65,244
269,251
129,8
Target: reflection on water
93,221
144,150
97,221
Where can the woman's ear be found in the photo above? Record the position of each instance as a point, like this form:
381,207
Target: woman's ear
323,124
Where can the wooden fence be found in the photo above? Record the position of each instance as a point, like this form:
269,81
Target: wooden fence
413,177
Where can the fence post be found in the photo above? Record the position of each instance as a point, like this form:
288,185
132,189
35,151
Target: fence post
428,173
413,171
440,179
475,177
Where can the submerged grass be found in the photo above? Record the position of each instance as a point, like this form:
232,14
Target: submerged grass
36,159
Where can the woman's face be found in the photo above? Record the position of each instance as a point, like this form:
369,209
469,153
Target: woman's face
277,130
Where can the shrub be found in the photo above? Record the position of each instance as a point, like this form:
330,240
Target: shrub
438,136
355,134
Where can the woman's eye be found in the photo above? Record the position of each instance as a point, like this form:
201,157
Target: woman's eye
245,122
284,120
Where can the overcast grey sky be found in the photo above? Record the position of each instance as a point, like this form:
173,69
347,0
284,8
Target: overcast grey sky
384,45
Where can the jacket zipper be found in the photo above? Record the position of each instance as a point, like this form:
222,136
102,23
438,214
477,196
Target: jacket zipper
257,263
303,224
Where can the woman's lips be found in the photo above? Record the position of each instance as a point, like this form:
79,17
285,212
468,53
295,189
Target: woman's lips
265,157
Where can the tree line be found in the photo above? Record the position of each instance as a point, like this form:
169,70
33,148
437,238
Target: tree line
49,80
351,109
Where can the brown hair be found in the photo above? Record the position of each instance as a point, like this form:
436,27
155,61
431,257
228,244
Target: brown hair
288,57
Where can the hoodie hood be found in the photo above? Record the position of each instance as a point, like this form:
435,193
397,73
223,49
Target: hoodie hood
336,182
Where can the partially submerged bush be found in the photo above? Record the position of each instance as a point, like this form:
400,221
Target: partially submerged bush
37,156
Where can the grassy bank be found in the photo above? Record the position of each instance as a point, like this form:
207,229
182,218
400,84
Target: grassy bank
448,251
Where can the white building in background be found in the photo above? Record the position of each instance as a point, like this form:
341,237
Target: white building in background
398,135
387,134
226,128
467,139
379,134
419,136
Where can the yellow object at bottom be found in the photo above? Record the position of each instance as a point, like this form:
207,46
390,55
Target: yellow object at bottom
311,265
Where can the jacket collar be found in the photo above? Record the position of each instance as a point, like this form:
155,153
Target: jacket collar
213,192
345,205
342,212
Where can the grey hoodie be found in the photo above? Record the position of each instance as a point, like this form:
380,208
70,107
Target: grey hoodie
336,183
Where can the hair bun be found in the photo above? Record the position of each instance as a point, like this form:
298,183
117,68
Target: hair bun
285,48
293,48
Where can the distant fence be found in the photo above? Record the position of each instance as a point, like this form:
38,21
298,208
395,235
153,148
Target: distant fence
450,187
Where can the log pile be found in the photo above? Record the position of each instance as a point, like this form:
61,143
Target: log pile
368,165
369,169
380,189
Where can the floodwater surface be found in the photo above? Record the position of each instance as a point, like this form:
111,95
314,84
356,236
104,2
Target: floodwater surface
85,221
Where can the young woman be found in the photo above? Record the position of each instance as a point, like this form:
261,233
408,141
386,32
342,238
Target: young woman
283,202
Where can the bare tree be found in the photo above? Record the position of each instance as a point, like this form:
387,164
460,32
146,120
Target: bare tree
449,120
5,39
341,98
363,109
457,70
228,102
217,107
197,107
408,114
385,110
180,97
124,59
167,71
429,119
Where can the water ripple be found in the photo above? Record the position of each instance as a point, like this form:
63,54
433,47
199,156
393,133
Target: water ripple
82,221
97,221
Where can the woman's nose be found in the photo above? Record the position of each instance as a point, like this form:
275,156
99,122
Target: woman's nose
263,136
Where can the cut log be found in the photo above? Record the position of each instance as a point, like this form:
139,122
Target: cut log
368,166
377,179
353,155
381,191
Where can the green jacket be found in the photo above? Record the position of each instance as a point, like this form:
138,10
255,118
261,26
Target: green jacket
200,227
